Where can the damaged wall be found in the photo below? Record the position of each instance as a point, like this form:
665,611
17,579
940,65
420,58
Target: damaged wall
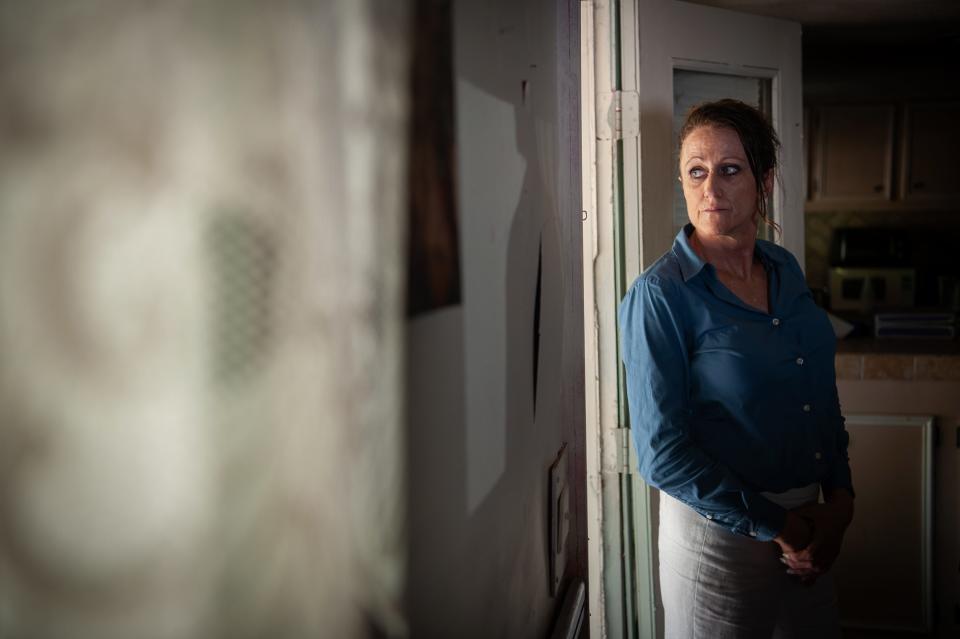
495,384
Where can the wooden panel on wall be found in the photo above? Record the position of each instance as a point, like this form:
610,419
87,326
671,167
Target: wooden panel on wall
433,250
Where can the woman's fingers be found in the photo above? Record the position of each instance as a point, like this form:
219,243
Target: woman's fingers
816,557
799,564
796,534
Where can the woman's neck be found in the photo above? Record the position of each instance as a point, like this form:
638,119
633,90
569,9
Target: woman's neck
729,253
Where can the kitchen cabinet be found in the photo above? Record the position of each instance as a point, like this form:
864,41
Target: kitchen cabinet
883,157
852,154
885,581
931,137
903,384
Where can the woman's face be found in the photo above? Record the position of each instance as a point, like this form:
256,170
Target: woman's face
718,185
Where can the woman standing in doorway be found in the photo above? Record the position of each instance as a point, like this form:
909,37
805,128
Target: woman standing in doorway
733,402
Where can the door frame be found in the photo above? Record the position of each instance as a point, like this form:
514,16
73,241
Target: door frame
629,49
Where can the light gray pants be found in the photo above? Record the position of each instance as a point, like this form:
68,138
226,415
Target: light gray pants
719,585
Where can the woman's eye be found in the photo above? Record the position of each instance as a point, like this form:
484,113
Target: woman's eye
697,173
729,169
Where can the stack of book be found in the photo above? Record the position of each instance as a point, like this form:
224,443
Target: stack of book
934,325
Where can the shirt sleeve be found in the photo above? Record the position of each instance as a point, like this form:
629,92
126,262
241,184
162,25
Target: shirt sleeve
839,475
656,357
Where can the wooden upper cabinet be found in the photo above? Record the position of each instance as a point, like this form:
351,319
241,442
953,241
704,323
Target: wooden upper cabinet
931,135
883,157
852,155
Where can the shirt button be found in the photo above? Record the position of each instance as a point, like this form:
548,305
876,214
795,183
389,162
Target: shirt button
753,533
775,321
799,361
806,408
710,517
817,455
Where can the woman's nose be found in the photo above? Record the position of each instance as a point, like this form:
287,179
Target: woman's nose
711,186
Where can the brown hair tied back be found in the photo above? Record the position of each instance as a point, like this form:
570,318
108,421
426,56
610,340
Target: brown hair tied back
759,139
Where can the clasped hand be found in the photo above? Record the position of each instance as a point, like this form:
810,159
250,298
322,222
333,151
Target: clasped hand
812,535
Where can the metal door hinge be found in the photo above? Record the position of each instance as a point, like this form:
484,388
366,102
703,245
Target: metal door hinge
626,457
619,115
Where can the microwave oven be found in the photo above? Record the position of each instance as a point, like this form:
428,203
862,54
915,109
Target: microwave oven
866,289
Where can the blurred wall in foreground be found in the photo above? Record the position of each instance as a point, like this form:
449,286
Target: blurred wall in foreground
200,318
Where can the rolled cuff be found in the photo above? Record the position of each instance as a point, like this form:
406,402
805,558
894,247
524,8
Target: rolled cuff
839,478
764,519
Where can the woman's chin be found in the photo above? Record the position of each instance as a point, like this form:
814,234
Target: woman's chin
711,229
715,226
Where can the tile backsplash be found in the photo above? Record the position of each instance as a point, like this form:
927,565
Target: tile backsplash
884,366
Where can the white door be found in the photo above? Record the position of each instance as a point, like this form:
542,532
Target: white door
645,61
673,55
664,41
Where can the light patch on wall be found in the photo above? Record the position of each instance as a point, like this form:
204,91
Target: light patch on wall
491,178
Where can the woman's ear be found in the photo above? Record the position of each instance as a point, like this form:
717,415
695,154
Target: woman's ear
768,182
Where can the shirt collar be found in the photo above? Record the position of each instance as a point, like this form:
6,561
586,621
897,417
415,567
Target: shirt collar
691,263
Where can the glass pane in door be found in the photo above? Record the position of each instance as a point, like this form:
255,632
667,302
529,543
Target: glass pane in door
691,88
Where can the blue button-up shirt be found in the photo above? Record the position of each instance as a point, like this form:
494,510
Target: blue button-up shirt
727,401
